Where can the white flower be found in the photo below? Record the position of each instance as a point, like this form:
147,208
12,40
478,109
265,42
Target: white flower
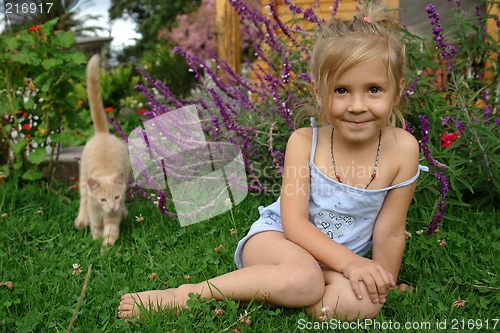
76,269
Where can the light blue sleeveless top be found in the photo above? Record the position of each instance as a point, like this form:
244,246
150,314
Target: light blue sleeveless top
344,213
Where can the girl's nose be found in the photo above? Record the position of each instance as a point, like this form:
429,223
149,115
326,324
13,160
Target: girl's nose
357,104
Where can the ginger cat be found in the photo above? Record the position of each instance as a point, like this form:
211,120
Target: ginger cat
104,170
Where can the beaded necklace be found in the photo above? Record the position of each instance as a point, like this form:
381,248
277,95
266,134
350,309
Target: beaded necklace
373,175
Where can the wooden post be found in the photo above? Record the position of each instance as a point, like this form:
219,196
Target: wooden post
492,29
227,28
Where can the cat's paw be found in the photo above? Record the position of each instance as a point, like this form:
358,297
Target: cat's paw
108,241
96,233
81,222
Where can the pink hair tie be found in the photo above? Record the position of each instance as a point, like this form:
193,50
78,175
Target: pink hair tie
367,19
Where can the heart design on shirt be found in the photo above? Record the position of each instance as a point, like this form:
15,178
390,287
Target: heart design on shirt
332,225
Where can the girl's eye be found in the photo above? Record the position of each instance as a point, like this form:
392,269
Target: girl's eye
341,91
374,90
103,200
117,197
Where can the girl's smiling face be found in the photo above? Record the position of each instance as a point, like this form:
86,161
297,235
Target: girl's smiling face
362,101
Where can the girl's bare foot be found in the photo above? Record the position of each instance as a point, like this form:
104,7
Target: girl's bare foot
131,304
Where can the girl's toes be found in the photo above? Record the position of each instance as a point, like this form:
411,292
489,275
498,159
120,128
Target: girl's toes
126,311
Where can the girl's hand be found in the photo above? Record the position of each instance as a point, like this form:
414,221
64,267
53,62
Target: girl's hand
377,280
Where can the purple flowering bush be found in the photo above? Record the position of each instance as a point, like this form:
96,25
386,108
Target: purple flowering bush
451,102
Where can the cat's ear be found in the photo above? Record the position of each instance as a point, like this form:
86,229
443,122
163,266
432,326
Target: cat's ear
120,179
93,184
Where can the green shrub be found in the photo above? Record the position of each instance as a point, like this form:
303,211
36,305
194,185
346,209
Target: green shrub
36,94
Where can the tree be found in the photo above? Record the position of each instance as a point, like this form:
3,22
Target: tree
151,16
194,32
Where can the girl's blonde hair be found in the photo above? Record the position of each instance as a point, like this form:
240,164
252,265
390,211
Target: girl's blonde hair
342,44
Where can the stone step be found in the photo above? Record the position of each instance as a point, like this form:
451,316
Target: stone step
69,154
67,167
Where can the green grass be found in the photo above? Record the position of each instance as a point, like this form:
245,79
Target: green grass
38,249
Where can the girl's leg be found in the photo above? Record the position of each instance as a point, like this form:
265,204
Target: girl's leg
276,270
342,302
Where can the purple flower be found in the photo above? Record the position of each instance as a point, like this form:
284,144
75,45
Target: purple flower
424,130
311,16
258,22
408,127
162,200
459,125
487,112
285,110
156,107
305,76
447,51
281,25
478,12
278,159
308,13
445,120
443,191
285,73
410,89
437,30
335,7
215,122
117,127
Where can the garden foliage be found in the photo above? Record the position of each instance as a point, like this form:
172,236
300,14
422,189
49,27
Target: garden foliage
39,67
453,105
451,101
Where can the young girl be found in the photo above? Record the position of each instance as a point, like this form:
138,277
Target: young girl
346,189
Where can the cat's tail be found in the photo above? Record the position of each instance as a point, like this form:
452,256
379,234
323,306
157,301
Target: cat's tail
94,94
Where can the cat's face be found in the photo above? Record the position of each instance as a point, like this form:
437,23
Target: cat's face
108,192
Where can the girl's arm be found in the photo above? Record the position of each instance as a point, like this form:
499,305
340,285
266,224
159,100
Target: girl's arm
298,229
389,237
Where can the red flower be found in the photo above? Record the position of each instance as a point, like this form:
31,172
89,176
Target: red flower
26,127
142,111
35,28
109,109
447,139
80,101
76,185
